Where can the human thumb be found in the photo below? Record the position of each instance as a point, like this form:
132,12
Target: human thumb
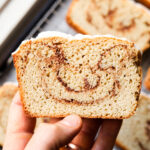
54,136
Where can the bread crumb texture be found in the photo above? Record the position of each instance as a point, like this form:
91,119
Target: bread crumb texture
93,78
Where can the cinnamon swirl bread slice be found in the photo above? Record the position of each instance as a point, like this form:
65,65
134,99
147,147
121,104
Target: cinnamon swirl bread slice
135,131
92,76
123,18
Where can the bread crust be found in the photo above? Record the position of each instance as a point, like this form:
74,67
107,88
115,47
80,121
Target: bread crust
120,145
77,28
15,55
145,2
69,20
147,80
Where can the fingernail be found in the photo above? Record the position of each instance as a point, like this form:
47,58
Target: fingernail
16,98
72,121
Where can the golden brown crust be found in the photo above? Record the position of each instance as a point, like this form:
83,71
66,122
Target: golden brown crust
81,30
60,116
70,22
145,2
147,80
29,114
120,145
19,81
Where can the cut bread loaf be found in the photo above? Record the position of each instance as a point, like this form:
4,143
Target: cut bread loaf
122,18
7,92
135,131
91,76
145,2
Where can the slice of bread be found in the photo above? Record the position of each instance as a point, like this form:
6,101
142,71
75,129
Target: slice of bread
145,2
7,92
92,76
135,131
122,18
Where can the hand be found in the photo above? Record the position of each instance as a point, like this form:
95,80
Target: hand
59,132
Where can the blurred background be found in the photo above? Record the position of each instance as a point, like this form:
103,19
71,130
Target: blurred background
23,19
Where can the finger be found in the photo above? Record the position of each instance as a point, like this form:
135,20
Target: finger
18,121
85,138
107,135
20,127
54,136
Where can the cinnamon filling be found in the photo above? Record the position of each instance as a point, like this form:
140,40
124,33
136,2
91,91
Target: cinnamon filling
109,18
58,60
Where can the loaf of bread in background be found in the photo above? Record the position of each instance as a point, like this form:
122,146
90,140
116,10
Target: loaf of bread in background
145,2
91,76
7,92
135,131
122,18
